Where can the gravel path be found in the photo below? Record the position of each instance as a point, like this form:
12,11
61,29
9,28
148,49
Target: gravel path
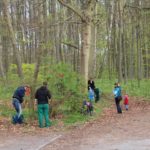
26,142
111,131
127,131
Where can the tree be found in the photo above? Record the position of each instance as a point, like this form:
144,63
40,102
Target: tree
86,17
13,38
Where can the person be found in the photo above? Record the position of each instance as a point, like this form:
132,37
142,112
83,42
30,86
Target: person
97,95
17,100
91,84
87,107
91,94
118,96
126,101
43,96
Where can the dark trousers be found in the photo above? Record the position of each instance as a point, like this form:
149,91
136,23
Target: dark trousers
117,100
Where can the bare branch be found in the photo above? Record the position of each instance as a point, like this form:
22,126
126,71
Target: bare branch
75,10
137,7
71,45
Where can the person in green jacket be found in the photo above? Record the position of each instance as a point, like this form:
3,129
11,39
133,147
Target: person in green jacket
43,96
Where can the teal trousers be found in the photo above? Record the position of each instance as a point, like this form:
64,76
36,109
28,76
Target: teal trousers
43,114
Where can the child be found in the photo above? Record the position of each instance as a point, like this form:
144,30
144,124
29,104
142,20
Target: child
126,101
91,95
87,107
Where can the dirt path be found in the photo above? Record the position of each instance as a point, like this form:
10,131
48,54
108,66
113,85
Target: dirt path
127,131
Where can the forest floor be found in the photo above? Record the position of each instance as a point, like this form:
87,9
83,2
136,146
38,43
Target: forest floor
111,131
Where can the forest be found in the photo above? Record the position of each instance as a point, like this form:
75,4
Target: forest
65,42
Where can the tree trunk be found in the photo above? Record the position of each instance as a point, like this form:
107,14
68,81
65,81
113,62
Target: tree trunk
92,53
86,39
86,21
13,38
2,74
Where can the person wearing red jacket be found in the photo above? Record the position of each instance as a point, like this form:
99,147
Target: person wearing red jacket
126,101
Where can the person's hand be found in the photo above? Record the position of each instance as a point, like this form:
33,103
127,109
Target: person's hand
35,104
50,101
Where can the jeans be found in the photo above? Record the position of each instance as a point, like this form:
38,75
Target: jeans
43,113
117,100
18,118
127,107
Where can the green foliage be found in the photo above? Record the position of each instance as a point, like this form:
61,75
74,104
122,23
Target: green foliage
134,89
7,88
131,87
6,111
74,118
28,70
65,85
77,117
67,88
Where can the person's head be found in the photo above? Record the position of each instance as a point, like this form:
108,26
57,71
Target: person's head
27,90
45,84
116,84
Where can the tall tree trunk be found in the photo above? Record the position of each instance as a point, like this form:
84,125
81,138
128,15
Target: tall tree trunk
13,38
5,55
86,39
86,19
120,33
39,50
92,53
2,74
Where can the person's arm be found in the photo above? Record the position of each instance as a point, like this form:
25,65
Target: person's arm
49,94
35,100
21,93
93,84
36,95
115,91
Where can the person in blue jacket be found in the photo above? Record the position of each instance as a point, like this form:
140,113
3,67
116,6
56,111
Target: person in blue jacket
91,94
118,97
17,100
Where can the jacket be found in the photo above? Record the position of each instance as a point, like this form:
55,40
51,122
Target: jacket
117,91
91,94
42,95
126,100
19,93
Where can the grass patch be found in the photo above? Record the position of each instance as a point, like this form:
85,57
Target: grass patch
77,117
131,87
74,118
106,87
